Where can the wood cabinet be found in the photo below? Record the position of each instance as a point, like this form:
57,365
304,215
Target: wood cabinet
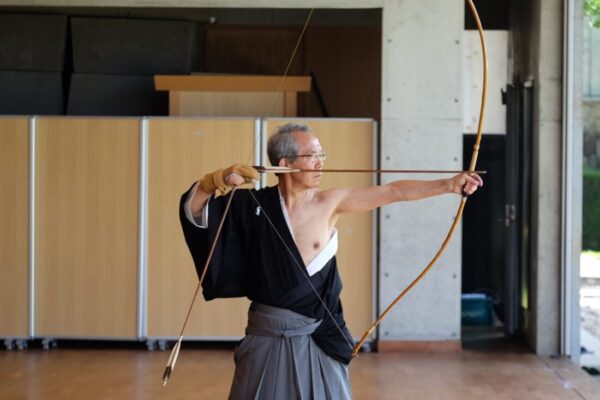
96,274
180,151
14,225
86,227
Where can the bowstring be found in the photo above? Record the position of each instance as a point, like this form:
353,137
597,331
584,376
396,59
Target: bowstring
289,64
285,74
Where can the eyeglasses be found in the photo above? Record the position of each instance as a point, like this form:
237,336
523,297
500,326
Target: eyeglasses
314,157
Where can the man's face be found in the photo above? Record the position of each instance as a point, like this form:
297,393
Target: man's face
309,157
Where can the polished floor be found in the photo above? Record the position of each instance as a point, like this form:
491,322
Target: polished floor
205,373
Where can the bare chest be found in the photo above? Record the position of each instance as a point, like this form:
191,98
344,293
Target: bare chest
311,230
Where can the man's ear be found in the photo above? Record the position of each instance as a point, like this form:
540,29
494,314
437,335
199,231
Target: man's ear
283,162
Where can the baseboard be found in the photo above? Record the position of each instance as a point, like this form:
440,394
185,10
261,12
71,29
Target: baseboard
441,346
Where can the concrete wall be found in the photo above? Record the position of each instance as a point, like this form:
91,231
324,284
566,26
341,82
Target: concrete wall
421,121
547,153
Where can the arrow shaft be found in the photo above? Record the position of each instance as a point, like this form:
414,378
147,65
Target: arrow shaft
280,170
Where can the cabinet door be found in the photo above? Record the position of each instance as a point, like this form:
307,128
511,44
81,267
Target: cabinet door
181,151
14,225
87,218
349,144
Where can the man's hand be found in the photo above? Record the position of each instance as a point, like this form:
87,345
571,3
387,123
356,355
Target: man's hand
465,183
239,174
222,180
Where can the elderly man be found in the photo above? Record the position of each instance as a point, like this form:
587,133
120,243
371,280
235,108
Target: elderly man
278,248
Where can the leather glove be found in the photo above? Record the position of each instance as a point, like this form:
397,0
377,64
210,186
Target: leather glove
215,181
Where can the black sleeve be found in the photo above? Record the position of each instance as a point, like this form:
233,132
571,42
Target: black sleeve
226,275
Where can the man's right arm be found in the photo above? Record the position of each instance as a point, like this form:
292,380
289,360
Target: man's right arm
200,218
220,181
224,277
198,201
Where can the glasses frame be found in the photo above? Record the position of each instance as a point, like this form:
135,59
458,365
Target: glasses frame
322,156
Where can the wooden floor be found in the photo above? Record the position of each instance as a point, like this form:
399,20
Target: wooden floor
202,373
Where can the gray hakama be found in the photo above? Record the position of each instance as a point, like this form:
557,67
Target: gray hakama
278,359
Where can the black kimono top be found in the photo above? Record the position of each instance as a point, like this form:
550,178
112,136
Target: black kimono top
251,261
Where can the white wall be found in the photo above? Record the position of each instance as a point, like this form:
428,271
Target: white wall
591,60
497,48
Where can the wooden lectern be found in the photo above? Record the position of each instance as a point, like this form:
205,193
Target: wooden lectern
232,95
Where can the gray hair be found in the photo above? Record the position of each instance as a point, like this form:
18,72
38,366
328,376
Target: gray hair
282,143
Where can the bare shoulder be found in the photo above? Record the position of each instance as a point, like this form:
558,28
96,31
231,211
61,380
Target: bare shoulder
351,200
331,199
332,196
329,203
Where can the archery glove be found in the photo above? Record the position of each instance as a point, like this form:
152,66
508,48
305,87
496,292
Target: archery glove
215,181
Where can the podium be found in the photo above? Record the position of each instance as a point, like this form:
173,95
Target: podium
232,95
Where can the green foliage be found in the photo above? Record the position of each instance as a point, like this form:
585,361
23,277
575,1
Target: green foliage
592,9
591,172
591,209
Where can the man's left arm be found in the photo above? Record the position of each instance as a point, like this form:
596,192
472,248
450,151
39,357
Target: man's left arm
366,199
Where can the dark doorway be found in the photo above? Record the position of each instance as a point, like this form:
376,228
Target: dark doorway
483,242
496,226
517,221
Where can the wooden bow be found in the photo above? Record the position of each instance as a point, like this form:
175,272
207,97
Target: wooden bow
463,201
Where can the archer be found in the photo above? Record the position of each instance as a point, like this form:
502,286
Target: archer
296,329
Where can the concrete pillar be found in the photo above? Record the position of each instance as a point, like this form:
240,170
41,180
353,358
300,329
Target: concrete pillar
547,146
421,127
